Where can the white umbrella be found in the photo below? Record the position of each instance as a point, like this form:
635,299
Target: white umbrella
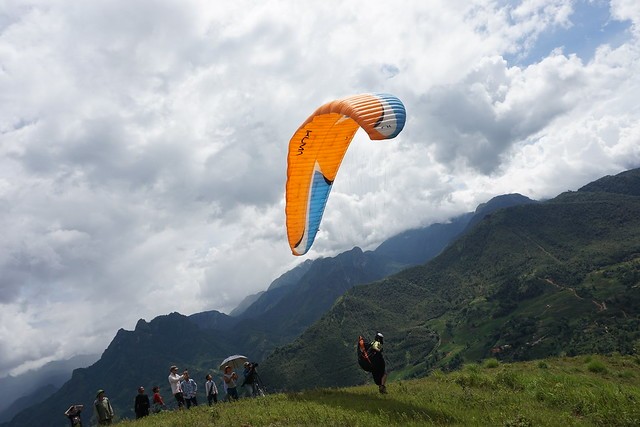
236,361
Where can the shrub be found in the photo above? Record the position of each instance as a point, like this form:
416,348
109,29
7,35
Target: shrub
491,363
519,421
472,367
597,367
626,374
473,379
510,380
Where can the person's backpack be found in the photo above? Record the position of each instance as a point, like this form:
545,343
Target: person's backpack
363,354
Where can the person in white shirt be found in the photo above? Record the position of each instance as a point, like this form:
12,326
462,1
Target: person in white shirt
211,389
176,389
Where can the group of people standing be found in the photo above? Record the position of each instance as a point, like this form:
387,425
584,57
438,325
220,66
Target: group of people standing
142,405
102,410
184,388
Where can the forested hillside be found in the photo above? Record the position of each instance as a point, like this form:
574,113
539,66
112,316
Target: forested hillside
560,277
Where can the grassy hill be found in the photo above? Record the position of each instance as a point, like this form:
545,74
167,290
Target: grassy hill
585,391
553,278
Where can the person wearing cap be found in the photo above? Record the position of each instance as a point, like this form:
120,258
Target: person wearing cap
174,382
142,403
379,371
102,409
249,374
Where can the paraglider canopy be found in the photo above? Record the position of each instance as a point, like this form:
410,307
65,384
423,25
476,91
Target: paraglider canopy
317,149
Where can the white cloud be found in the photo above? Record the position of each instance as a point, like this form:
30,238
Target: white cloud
143,144
627,10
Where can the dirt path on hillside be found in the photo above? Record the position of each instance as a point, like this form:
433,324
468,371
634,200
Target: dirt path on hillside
600,306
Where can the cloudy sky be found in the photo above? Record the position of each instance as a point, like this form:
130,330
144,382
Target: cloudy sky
143,143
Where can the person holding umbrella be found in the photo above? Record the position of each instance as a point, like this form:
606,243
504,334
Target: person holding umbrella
230,377
230,382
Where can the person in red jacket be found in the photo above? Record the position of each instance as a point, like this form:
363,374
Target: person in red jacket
158,402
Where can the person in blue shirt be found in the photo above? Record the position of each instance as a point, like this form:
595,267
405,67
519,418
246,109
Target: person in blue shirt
189,389
250,379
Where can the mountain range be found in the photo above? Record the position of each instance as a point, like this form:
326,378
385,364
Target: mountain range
552,278
516,279
21,391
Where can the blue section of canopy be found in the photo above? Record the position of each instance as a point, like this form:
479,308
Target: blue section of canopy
320,189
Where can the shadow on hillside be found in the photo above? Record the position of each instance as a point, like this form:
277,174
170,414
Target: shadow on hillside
377,405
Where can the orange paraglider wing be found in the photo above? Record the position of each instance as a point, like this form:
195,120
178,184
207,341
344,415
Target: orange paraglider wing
317,149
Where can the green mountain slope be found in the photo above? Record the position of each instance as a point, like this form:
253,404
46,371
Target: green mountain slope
282,313
256,304
560,277
624,183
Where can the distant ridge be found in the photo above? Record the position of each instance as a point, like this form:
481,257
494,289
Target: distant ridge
627,182
255,305
35,385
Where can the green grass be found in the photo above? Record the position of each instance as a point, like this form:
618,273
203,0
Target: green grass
561,391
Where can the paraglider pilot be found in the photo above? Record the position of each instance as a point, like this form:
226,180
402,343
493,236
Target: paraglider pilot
379,370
